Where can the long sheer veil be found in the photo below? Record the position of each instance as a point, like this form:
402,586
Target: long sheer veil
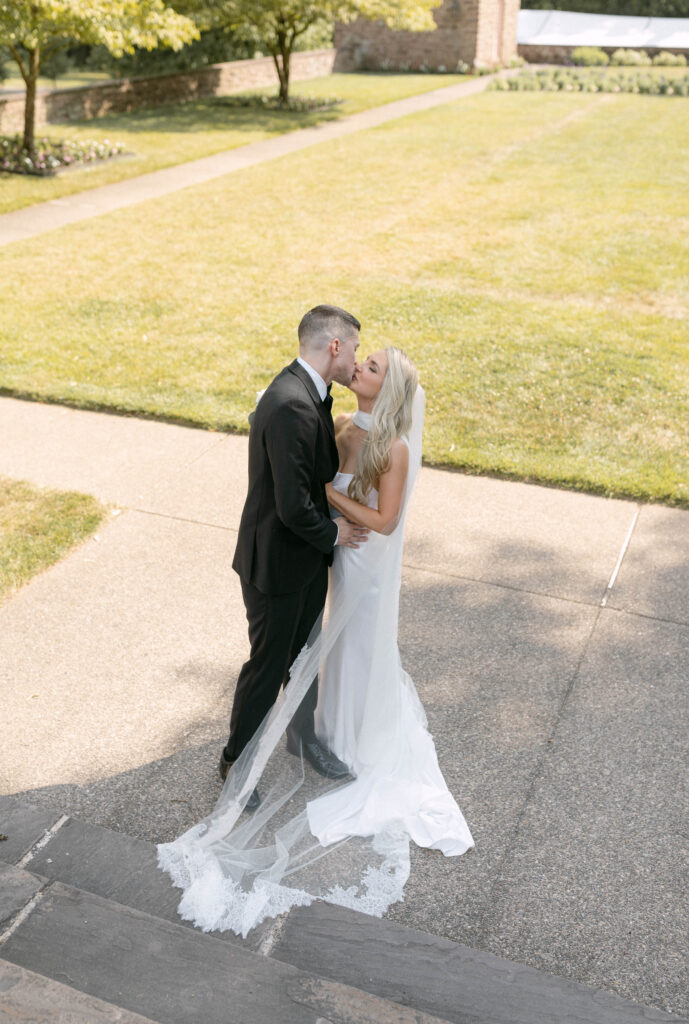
237,868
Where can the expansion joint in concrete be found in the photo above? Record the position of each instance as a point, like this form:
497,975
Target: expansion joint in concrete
183,519
648,617
43,841
535,776
21,915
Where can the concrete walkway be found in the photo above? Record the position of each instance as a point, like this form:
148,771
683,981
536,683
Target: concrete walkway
35,220
547,633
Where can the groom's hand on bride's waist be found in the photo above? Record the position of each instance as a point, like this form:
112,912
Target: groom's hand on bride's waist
350,535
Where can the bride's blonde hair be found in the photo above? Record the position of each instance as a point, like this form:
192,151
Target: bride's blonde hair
390,418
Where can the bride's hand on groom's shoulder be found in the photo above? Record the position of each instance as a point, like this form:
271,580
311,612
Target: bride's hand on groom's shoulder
350,535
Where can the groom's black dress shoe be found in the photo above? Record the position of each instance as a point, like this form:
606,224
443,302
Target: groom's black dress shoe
322,760
254,800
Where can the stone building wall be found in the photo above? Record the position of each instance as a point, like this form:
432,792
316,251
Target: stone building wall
116,97
473,32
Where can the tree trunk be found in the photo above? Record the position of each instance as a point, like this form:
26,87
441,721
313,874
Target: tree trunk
281,57
283,89
30,103
284,80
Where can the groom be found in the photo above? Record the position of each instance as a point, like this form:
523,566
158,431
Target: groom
286,537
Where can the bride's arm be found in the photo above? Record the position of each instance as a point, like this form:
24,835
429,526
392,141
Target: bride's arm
390,490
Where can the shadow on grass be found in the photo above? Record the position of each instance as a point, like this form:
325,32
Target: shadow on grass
209,115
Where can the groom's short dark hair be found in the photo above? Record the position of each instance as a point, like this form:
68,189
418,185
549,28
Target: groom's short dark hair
323,323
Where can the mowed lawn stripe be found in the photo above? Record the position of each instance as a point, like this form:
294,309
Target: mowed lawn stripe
529,250
175,133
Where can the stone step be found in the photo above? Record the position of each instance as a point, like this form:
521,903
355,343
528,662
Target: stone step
23,825
176,975
106,863
411,968
445,978
32,999
17,889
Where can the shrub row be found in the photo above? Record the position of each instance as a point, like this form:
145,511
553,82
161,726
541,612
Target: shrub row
638,8
263,101
575,80
593,56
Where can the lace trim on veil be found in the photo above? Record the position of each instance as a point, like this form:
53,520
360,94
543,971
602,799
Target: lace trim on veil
214,902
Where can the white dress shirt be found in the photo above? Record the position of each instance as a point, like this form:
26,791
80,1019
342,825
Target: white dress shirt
315,376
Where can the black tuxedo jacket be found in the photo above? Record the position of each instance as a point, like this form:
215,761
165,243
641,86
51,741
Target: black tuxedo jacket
286,533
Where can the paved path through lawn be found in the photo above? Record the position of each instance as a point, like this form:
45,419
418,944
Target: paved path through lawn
547,633
34,220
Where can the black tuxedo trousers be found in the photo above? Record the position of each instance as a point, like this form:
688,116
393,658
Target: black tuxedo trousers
279,626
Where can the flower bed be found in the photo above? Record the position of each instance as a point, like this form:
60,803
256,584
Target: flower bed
295,104
51,156
580,80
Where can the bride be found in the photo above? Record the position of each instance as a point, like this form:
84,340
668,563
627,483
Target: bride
345,842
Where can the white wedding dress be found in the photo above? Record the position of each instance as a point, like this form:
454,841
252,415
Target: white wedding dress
378,728
345,842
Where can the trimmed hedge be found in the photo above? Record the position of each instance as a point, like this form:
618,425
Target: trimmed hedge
631,58
593,56
643,8
670,60
590,56
580,80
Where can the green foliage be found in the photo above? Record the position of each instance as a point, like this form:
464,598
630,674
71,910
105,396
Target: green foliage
295,104
214,46
644,8
670,60
631,58
121,25
36,30
279,25
571,80
590,56
55,65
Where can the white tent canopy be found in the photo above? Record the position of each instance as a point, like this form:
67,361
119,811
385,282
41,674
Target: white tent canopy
567,28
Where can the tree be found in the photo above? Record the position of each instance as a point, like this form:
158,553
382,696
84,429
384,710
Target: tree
278,24
35,30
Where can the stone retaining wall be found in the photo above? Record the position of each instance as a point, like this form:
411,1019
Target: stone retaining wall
125,94
536,54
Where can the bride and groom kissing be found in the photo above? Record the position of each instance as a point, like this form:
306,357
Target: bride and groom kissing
324,516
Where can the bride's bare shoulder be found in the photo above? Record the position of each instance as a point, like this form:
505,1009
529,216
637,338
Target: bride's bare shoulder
341,424
399,450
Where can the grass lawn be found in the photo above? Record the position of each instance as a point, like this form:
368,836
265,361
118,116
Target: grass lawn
38,527
530,251
161,136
